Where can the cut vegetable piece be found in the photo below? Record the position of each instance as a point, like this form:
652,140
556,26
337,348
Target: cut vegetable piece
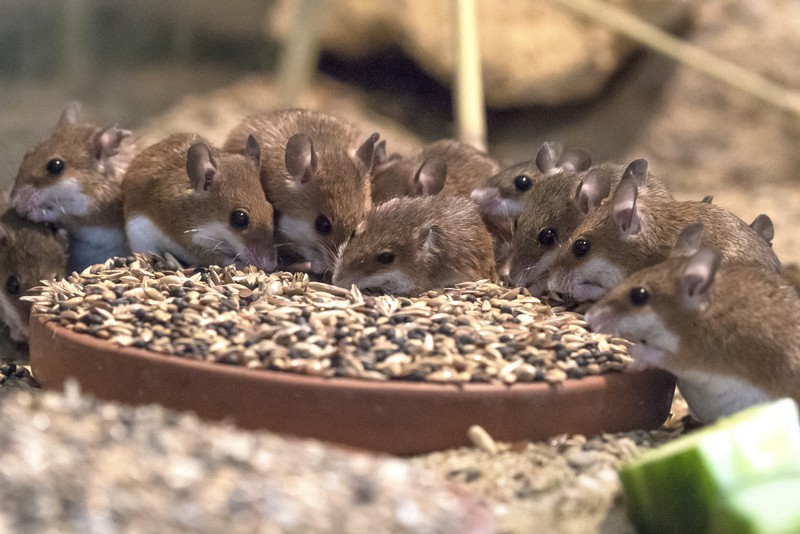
768,507
675,487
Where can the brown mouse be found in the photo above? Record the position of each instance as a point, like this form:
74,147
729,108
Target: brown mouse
631,232
410,244
447,166
316,172
29,253
728,331
555,207
203,206
72,178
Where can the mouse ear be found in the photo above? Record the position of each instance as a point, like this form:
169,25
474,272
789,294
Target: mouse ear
105,144
252,149
300,158
623,207
379,155
763,226
430,178
69,115
708,199
637,169
689,240
547,157
201,166
365,154
575,159
593,189
429,239
698,276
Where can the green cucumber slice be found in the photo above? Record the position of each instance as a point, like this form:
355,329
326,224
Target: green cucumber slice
768,507
675,487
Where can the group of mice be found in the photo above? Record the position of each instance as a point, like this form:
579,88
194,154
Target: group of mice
698,290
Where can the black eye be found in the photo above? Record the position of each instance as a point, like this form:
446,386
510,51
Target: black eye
385,257
323,225
240,219
581,247
547,237
55,167
12,285
639,296
523,182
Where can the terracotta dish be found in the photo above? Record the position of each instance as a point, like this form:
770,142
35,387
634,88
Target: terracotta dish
395,417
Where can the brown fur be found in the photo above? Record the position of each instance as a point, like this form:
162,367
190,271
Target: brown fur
748,328
466,169
157,185
458,248
340,190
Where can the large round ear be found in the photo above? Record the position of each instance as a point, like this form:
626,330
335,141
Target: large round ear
252,149
429,239
69,115
575,159
430,178
593,188
201,166
689,240
547,157
763,226
637,169
366,153
300,158
623,207
105,143
698,276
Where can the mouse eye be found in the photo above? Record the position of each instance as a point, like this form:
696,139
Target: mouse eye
55,167
385,258
12,285
639,296
523,182
323,225
240,219
547,237
581,248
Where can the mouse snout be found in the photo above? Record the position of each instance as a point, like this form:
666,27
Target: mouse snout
600,318
22,199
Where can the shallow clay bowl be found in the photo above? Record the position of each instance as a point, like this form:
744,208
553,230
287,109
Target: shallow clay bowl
395,417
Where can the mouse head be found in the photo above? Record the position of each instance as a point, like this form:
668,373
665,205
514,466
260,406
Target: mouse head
553,210
228,218
505,193
655,306
392,250
70,175
29,253
331,196
607,245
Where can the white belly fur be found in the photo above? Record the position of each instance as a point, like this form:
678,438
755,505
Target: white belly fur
95,244
146,236
711,396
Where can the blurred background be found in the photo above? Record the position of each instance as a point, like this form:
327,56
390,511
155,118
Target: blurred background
549,74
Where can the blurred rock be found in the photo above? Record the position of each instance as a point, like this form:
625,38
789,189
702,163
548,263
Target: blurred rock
533,51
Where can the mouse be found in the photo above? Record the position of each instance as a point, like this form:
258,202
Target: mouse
316,170
30,252
411,244
72,178
727,331
555,207
204,206
445,166
631,232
